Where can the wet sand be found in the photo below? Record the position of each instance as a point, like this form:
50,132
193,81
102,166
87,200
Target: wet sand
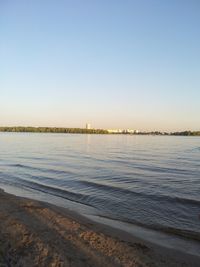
35,233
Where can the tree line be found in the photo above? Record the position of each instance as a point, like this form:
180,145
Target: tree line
187,133
87,131
52,130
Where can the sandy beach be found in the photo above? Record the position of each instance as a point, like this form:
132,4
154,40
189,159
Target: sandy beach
34,233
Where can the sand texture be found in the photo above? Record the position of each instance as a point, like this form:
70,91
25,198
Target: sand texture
39,234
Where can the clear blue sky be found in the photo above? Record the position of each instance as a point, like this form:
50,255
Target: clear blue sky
113,63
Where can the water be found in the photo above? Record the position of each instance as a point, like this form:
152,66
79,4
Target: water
148,181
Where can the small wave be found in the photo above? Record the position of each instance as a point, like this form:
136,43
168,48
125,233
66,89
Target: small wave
192,235
41,169
164,170
187,200
107,188
56,191
114,189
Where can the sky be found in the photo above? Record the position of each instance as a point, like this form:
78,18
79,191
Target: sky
112,63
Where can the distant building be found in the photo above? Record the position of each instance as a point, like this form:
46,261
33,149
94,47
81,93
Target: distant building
115,130
88,126
124,131
129,131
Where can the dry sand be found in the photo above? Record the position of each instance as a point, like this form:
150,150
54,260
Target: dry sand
39,234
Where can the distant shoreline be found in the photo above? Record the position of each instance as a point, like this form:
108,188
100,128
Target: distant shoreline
22,129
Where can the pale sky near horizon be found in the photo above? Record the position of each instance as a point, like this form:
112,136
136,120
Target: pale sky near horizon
115,64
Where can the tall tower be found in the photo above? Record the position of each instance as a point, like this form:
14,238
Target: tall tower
88,126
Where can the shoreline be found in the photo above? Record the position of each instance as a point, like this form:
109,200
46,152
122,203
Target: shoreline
99,132
158,237
35,233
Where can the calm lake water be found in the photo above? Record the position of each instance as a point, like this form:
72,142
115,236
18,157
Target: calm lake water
150,181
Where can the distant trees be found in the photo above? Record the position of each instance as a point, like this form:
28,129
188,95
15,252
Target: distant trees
85,131
52,130
187,133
